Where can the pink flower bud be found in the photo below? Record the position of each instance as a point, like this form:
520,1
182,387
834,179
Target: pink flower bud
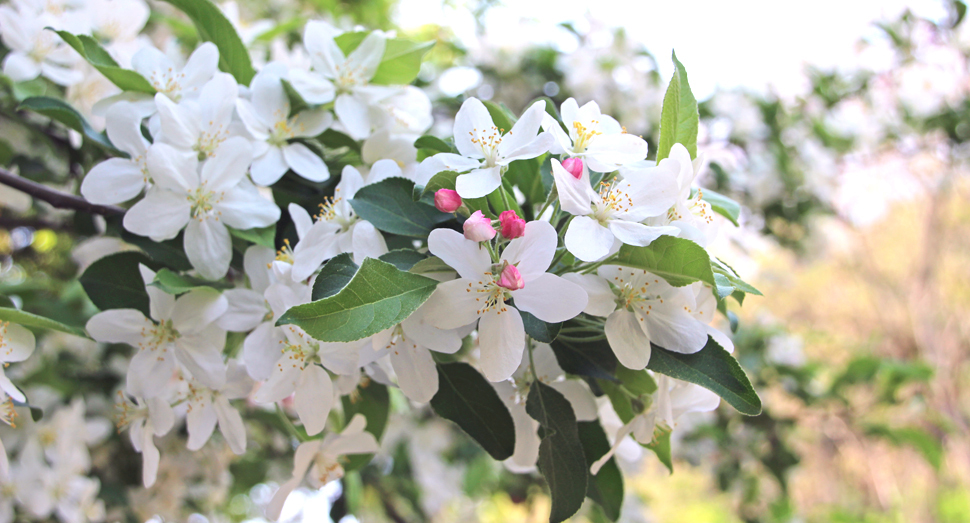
512,225
478,228
573,166
511,279
446,200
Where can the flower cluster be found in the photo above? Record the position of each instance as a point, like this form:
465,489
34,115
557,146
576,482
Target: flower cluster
307,216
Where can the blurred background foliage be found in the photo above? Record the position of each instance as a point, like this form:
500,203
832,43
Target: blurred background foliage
855,226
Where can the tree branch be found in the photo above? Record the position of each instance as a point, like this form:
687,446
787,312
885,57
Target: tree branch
56,198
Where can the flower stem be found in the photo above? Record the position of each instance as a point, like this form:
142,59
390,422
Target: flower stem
532,363
289,424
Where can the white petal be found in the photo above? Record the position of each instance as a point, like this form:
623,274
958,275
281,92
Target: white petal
562,143
282,381
675,330
367,242
318,245
112,181
17,342
305,163
7,386
150,458
275,507
270,167
532,252
149,372
479,182
575,196
301,219
180,124
243,207
201,354
261,350
638,234
353,114
200,421
602,301
607,152
452,305
419,327
626,337
501,337
251,119
119,326
247,309
311,123
367,56
468,258
416,373
651,196
20,68
721,338
314,398
160,215
229,164
551,298
314,88
268,98
201,65
521,138
587,240
471,123
208,247
198,309
172,168
231,425
123,126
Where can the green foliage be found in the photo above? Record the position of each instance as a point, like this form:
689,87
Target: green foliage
562,459
501,116
295,99
114,282
677,260
467,399
97,56
401,61
173,283
388,205
334,276
27,319
727,282
214,27
661,447
539,330
403,259
679,119
606,487
925,443
67,115
712,368
263,236
378,297
594,359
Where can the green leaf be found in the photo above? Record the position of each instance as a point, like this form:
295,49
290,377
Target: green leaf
97,56
924,442
722,205
432,143
372,400
594,359
562,460
214,27
297,103
712,368
678,118
388,205
28,319
606,487
403,259
679,261
636,381
334,276
379,296
169,253
67,115
177,284
622,404
263,236
431,265
336,139
114,282
525,175
539,330
401,61
501,116
467,399
661,447
727,281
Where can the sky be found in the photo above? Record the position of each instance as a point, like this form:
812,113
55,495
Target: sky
755,44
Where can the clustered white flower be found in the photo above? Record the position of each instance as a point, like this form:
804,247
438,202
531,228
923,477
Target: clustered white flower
201,154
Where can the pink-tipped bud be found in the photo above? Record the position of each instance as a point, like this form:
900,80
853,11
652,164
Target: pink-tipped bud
573,166
478,228
511,279
446,200
512,225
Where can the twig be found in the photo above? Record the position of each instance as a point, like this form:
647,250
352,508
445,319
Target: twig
56,198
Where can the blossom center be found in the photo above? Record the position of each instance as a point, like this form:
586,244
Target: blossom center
168,82
209,140
488,140
5,348
349,77
7,414
332,211
301,353
284,129
490,295
696,206
158,335
582,135
328,469
128,412
612,200
204,201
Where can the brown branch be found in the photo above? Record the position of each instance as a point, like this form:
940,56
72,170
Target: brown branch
56,198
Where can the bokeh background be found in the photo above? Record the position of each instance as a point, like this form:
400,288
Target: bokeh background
844,130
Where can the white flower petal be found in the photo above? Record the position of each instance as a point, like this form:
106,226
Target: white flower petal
367,56
200,421
228,166
551,298
532,253
522,135
416,372
119,326
208,247
472,122
150,371
607,152
575,196
198,309
638,234
352,112
172,168
269,168
231,425
367,242
301,219
123,126
180,124
580,397
501,337
201,354
247,309
468,258
587,240
452,305
602,301
244,207
313,399
675,330
626,337
112,181
261,350
201,65
304,162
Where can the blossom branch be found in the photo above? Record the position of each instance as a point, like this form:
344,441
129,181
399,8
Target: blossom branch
56,198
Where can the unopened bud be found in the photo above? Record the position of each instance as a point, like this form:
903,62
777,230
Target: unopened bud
511,279
512,225
573,166
478,228
446,200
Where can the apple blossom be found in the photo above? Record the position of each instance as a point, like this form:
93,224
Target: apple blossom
594,137
478,228
145,420
173,81
34,50
117,180
208,406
